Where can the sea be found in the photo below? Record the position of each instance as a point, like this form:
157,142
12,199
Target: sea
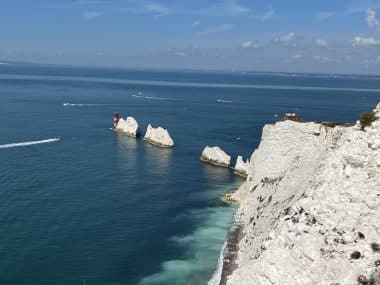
81,204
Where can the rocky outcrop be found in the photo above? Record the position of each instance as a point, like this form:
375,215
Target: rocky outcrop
241,167
158,137
310,207
215,156
129,127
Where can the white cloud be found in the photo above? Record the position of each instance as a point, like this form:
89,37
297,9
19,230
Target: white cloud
234,8
87,2
180,53
371,18
196,23
216,29
91,15
370,41
285,39
156,8
225,8
250,44
374,61
321,43
247,44
362,6
324,59
297,56
325,15
266,16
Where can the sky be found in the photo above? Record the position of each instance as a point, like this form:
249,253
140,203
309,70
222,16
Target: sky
330,36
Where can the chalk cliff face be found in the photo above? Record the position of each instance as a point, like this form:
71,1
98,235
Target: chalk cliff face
310,208
242,167
129,126
216,156
159,137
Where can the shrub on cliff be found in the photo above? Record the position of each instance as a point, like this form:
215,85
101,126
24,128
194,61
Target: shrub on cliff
366,119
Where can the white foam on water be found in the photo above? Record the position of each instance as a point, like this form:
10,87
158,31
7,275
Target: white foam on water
202,257
84,104
224,101
230,101
11,145
217,276
66,104
153,98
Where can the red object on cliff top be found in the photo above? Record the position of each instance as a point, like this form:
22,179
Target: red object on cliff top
293,117
115,119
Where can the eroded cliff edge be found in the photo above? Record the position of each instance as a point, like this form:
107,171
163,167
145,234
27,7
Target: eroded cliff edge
310,207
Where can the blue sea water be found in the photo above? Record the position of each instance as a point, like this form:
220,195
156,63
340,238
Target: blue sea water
97,207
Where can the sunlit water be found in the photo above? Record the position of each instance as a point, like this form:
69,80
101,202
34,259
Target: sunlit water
95,207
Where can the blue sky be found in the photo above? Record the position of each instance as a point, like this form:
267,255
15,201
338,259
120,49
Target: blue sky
295,35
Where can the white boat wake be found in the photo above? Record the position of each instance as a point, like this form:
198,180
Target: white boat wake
11,145
224,101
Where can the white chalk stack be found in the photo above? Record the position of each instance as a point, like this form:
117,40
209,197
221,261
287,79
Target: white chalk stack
129,127
215,156
159,137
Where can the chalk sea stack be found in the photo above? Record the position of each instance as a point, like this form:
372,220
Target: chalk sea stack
241,167
129,127
159,137
215,156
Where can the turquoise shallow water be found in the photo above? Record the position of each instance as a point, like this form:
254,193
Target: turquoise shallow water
100,208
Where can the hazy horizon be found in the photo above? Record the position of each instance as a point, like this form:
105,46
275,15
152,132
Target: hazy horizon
264,36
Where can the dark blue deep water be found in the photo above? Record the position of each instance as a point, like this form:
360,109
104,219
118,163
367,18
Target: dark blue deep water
100,208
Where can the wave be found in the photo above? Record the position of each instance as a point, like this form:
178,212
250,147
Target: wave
11,145
66,104
217,276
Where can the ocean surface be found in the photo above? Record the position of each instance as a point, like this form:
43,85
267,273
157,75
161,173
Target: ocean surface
94,207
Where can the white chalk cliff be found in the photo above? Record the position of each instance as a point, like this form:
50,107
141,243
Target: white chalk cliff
159,137
216,156
310,208
241,166
129,126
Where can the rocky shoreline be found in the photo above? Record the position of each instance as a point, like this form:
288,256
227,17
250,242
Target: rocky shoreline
230,253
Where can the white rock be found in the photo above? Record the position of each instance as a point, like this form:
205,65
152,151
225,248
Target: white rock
216,156
241,166
159,137
129,126
315,189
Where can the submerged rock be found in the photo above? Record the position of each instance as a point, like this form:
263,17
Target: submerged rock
229,198
129,126
159,137
216,156
241,166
